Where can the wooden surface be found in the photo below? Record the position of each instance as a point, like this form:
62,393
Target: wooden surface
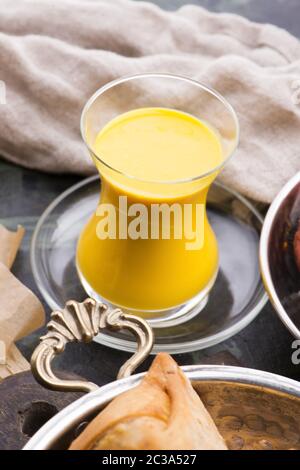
283,13
24,194
25,407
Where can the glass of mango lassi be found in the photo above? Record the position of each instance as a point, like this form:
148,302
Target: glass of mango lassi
158,142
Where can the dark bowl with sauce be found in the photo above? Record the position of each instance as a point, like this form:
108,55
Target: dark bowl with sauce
278,257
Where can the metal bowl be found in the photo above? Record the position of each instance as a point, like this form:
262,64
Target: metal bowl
279,272
252,409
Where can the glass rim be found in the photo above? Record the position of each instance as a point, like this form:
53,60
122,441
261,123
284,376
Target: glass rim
128,78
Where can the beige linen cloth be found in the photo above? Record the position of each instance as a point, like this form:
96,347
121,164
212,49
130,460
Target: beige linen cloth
55,54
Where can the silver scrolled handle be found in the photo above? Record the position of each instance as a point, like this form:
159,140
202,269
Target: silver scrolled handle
81,322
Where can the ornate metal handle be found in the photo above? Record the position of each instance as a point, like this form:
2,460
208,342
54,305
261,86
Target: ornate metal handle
81,322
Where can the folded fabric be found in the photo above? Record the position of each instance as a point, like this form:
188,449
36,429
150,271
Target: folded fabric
54,55
9,244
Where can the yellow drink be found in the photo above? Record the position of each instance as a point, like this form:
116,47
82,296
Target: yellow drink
163,153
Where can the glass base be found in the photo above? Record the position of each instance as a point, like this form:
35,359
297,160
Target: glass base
160,318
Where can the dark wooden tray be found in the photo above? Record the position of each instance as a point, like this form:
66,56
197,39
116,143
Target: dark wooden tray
26,406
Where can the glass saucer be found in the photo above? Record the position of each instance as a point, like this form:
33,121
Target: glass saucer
234,301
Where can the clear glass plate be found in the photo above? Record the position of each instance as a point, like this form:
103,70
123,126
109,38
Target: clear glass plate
235,300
